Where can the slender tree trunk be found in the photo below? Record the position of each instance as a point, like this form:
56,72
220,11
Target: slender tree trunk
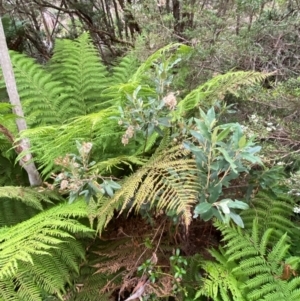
26,162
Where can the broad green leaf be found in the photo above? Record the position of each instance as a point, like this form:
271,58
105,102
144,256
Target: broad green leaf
254,149
224,207
238,204
251,158
211,117
224,134
202,207
237,219
198,136
242,142
203,128
227,158
214,135
206,216
215,192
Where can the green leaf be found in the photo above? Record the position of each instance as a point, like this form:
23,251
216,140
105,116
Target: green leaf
114,184
203,128
198,136
228,159
238,204
224,134
214,192
224,207
251,158
202,207
242,141
211,116
237,219
206,216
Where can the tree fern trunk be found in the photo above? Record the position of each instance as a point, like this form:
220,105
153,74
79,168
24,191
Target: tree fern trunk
8,74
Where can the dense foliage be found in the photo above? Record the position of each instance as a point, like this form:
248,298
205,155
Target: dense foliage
171,173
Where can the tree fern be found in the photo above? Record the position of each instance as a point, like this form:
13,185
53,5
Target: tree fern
77,65
123,70
31,262
220,283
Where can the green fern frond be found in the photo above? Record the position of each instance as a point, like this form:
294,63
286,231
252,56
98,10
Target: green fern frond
44,232
260,262
20,203
177,48
124,70
216,88
252,264
49,143
271,211
221,284
32,197
37,90
48,273
109,164
77,65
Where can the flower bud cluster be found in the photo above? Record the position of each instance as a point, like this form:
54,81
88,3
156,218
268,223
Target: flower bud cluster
170,101
128,134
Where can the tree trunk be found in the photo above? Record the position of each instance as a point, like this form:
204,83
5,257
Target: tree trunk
26,162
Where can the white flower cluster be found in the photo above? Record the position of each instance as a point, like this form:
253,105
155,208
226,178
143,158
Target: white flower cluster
254,118
296,209
248,132
270,127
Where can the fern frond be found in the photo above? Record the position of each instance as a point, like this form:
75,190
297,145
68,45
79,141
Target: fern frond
32,197
105,212
37,90
20,203
49,143
270,211
109,164
216,88
77,65
168,181
257,265
44,232
124,70
220,284
177,48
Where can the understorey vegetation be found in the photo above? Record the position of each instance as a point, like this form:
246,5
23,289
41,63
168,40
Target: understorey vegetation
169,151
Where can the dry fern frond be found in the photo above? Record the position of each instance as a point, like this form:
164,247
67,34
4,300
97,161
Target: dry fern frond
168,181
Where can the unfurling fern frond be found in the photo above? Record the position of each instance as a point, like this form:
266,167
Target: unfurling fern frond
31,262
77,65
216,88
168,181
